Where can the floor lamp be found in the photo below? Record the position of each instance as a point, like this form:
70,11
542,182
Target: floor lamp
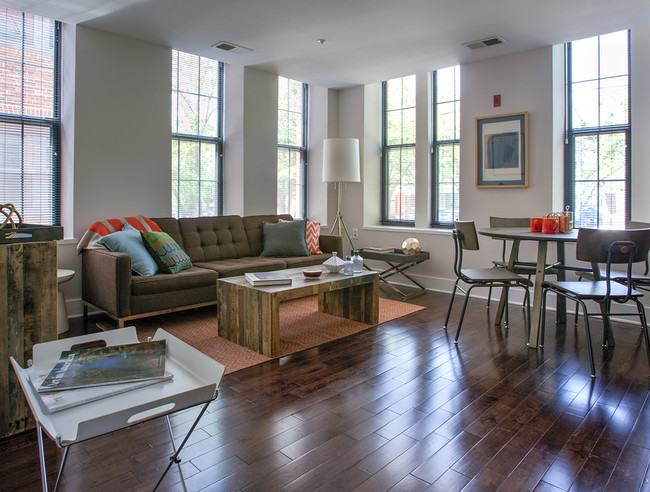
341,165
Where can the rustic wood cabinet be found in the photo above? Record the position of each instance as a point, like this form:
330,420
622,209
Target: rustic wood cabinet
28,290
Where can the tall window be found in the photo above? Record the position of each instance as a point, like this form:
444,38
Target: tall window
292,146
597,157
30,163
398,156
446,144
197,135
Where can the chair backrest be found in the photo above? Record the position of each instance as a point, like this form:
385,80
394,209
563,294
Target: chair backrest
509,221
466,232
593,245
634,224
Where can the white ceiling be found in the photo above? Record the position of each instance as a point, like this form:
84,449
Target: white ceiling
366,40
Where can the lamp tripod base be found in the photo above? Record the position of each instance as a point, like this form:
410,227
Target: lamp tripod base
342,228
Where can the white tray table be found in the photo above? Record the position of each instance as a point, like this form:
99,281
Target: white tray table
196,380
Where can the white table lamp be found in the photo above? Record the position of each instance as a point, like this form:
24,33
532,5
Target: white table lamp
341,165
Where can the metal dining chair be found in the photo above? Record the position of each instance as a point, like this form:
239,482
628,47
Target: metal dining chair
639,281
465,238
608,247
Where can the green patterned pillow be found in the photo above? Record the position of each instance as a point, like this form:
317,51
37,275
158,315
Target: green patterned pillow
166,252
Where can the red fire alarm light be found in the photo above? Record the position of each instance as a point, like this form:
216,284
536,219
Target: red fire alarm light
497,100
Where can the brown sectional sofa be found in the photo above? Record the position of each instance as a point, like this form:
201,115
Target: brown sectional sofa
223,246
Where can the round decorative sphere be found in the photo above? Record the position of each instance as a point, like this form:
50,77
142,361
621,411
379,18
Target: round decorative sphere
411,246
12,219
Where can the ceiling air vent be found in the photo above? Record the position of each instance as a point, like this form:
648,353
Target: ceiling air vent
483,43
232,48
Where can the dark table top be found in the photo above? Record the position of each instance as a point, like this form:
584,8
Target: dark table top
396,256
524,234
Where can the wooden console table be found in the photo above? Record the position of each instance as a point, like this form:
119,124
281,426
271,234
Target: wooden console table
250,316
398,262
28,299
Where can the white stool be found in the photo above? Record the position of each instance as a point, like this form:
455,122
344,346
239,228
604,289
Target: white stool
62,276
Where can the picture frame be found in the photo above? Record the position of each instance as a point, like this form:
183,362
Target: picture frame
502,151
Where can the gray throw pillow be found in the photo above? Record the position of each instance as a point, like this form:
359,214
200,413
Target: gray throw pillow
285,238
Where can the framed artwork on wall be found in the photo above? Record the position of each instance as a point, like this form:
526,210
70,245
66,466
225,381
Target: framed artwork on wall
502,151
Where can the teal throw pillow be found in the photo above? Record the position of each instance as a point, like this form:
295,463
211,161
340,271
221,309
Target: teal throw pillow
128,241
285,239
166,252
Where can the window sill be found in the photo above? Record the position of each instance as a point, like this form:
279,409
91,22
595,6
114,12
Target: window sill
420,230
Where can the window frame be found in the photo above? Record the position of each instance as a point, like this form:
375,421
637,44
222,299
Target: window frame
571,133
302,149
202,139
436,144
53,123
385,150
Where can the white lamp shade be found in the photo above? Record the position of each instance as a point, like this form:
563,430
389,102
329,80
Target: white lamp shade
341,160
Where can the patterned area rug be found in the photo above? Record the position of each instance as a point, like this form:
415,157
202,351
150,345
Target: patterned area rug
301,327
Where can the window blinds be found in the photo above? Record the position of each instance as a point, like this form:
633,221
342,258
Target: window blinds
29,116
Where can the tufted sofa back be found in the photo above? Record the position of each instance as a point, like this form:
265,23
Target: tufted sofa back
253,226
218,237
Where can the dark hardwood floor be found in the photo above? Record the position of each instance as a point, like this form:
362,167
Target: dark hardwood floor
397,407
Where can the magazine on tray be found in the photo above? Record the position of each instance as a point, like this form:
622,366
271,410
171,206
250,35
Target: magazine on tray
60,400
106,365
267,278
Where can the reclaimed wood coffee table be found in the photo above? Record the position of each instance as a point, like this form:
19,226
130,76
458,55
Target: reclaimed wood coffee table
250,316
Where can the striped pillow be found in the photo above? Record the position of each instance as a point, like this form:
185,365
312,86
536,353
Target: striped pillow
312,237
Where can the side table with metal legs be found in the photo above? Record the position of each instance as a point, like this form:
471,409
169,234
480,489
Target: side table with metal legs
398,262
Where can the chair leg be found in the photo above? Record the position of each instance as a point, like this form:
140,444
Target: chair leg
542,321
526,297
606,321
644,325
462,315
589,347
489,297
451,302
575,318
507,323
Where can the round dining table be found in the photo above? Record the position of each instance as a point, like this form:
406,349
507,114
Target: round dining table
516,235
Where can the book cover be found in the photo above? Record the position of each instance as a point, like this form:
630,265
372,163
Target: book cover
56,401
385,249
106,365
267,278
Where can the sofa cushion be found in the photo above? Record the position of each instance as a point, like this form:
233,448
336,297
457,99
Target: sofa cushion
312,236
285,239
128,241
253,226
166,252
238,266
191,278
214,238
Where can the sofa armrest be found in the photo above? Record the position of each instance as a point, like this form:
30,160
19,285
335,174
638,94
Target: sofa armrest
330,243
106,281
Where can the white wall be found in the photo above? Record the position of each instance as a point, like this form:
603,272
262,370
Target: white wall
122,126
640,71
260,139
117,133
320,100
